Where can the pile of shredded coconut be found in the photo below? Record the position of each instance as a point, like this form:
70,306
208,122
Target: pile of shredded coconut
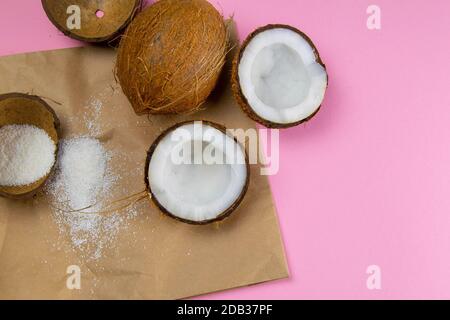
77,191
80,191
82,171
27,154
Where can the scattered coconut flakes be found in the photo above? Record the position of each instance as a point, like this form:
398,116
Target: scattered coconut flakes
91,117
90,234
81,180
78,185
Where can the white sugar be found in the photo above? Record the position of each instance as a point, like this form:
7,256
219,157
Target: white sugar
27,154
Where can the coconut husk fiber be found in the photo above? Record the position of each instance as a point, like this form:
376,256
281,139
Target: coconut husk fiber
18,108
155,257
117,14
171,56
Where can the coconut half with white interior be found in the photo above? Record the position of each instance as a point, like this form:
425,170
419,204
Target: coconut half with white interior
197,173
279,78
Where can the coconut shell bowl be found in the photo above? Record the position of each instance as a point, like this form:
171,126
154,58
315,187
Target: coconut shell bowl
21,109
99,20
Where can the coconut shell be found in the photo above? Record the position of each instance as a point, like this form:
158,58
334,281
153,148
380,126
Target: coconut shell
117,15
222,216
237,91
18,108
171,56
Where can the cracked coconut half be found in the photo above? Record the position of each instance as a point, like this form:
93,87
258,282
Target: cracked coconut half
197,173
278,77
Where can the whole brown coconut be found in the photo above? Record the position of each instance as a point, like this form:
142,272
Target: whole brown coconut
171,55
100,20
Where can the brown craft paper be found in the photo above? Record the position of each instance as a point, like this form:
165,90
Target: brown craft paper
155,257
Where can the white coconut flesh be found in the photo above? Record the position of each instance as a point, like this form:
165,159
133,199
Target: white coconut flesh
197,172
280,76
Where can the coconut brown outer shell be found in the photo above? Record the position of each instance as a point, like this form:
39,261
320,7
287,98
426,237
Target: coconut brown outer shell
18,108
171,55
117,15
237,91
224,214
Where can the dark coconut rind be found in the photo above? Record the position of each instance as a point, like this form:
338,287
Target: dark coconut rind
227,212
19,108
117,15
237,91
170,57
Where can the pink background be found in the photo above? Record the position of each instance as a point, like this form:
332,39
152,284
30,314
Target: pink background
368,180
